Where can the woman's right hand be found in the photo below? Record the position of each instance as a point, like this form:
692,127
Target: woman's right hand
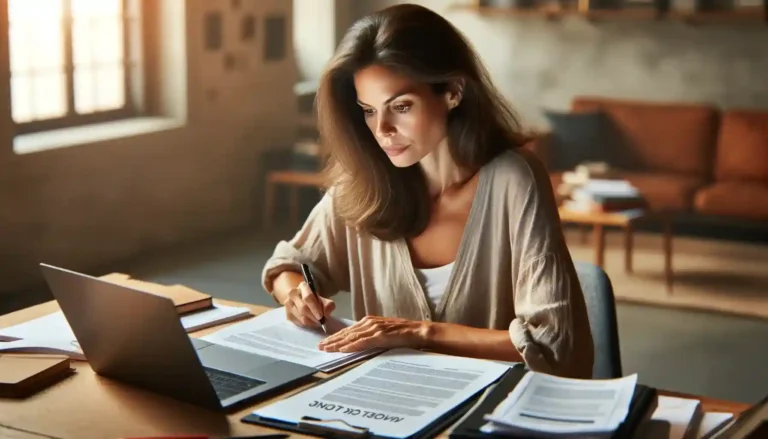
303,308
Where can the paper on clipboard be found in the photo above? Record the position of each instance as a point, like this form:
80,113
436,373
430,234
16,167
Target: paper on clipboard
396,394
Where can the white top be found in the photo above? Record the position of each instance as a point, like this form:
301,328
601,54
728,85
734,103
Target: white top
434,281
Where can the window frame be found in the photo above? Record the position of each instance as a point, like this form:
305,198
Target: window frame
72,118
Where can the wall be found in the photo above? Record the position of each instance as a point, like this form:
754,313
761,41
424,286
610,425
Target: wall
89,205
539,64
318,28
313,35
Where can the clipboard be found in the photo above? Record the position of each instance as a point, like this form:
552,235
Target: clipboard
643,403
337,428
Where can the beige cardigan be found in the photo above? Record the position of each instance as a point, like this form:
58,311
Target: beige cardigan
512,271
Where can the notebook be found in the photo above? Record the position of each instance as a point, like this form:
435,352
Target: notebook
186,299
23,375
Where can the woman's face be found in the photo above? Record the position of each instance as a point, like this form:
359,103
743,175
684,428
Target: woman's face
408,119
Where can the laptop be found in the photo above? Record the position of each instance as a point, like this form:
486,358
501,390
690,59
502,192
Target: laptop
137,337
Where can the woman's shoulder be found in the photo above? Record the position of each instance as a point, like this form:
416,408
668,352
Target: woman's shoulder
519,168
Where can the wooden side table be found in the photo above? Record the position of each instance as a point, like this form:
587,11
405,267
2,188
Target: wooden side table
624,220
293,179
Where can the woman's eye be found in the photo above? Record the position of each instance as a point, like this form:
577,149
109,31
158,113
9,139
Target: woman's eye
402,108
368,111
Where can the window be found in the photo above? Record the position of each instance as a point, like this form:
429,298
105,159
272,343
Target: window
69,62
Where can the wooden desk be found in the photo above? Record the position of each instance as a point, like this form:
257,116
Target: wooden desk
87,406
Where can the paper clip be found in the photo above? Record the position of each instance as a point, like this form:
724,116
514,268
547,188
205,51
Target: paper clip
336,427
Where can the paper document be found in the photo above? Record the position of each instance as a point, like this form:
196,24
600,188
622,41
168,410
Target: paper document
52,331
272,335
69,348
674,418
396,394
547,405
712,421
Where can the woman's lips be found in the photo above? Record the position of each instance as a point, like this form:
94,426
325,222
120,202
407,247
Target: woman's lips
394,151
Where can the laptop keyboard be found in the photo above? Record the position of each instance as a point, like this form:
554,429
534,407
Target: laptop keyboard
228,384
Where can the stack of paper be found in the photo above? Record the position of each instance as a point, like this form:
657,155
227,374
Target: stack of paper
51,334
546,405
272,335
674,418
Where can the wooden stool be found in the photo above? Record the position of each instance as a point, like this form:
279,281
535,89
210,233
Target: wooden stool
293,179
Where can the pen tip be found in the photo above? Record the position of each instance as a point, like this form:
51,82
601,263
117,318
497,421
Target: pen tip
325,330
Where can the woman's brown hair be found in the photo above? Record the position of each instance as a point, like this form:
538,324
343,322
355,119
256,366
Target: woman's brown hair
370,193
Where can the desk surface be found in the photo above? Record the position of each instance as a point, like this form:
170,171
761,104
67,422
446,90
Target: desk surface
86,406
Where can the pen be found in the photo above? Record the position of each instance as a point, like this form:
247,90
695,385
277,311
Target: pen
311,282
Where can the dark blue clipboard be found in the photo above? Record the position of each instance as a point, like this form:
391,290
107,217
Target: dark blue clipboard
331,428
643,404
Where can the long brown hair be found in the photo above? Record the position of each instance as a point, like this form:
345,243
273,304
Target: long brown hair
370,193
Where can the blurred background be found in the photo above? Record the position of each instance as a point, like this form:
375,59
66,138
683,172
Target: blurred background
175,140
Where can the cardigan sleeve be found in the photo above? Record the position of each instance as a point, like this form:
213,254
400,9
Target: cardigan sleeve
551,327
319,243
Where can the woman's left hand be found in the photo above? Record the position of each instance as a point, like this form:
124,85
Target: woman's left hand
377,332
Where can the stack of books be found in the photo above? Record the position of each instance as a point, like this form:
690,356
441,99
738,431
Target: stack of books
582,174
605,196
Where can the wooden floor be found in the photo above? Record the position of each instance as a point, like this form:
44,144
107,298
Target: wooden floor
710,275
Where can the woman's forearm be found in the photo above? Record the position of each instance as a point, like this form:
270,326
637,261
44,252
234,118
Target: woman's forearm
284,283
466,341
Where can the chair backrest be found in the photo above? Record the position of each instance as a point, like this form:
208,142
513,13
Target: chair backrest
601,309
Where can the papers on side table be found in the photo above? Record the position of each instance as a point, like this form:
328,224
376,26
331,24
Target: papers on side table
272,335
546,405
397,394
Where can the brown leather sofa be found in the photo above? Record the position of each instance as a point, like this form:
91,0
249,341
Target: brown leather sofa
686,157
740,183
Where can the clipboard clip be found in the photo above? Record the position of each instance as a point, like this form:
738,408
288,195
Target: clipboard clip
334,427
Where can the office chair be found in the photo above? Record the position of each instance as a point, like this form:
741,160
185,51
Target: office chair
601,309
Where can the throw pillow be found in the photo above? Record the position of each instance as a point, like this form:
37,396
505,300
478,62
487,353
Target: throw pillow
582,137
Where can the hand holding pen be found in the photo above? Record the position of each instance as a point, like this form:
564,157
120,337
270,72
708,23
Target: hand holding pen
305,307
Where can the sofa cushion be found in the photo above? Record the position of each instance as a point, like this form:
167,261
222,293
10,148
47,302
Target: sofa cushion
576,138
738,199
677,138
665,191
742,148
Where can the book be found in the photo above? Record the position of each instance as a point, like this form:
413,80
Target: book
184,298
23,375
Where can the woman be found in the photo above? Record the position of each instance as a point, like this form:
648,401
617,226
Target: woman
443,229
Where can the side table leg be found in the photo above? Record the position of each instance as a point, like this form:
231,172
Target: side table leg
599,238
584,234
668,254
628,248
269,204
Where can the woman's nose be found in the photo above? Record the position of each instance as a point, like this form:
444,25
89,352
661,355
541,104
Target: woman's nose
384,128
